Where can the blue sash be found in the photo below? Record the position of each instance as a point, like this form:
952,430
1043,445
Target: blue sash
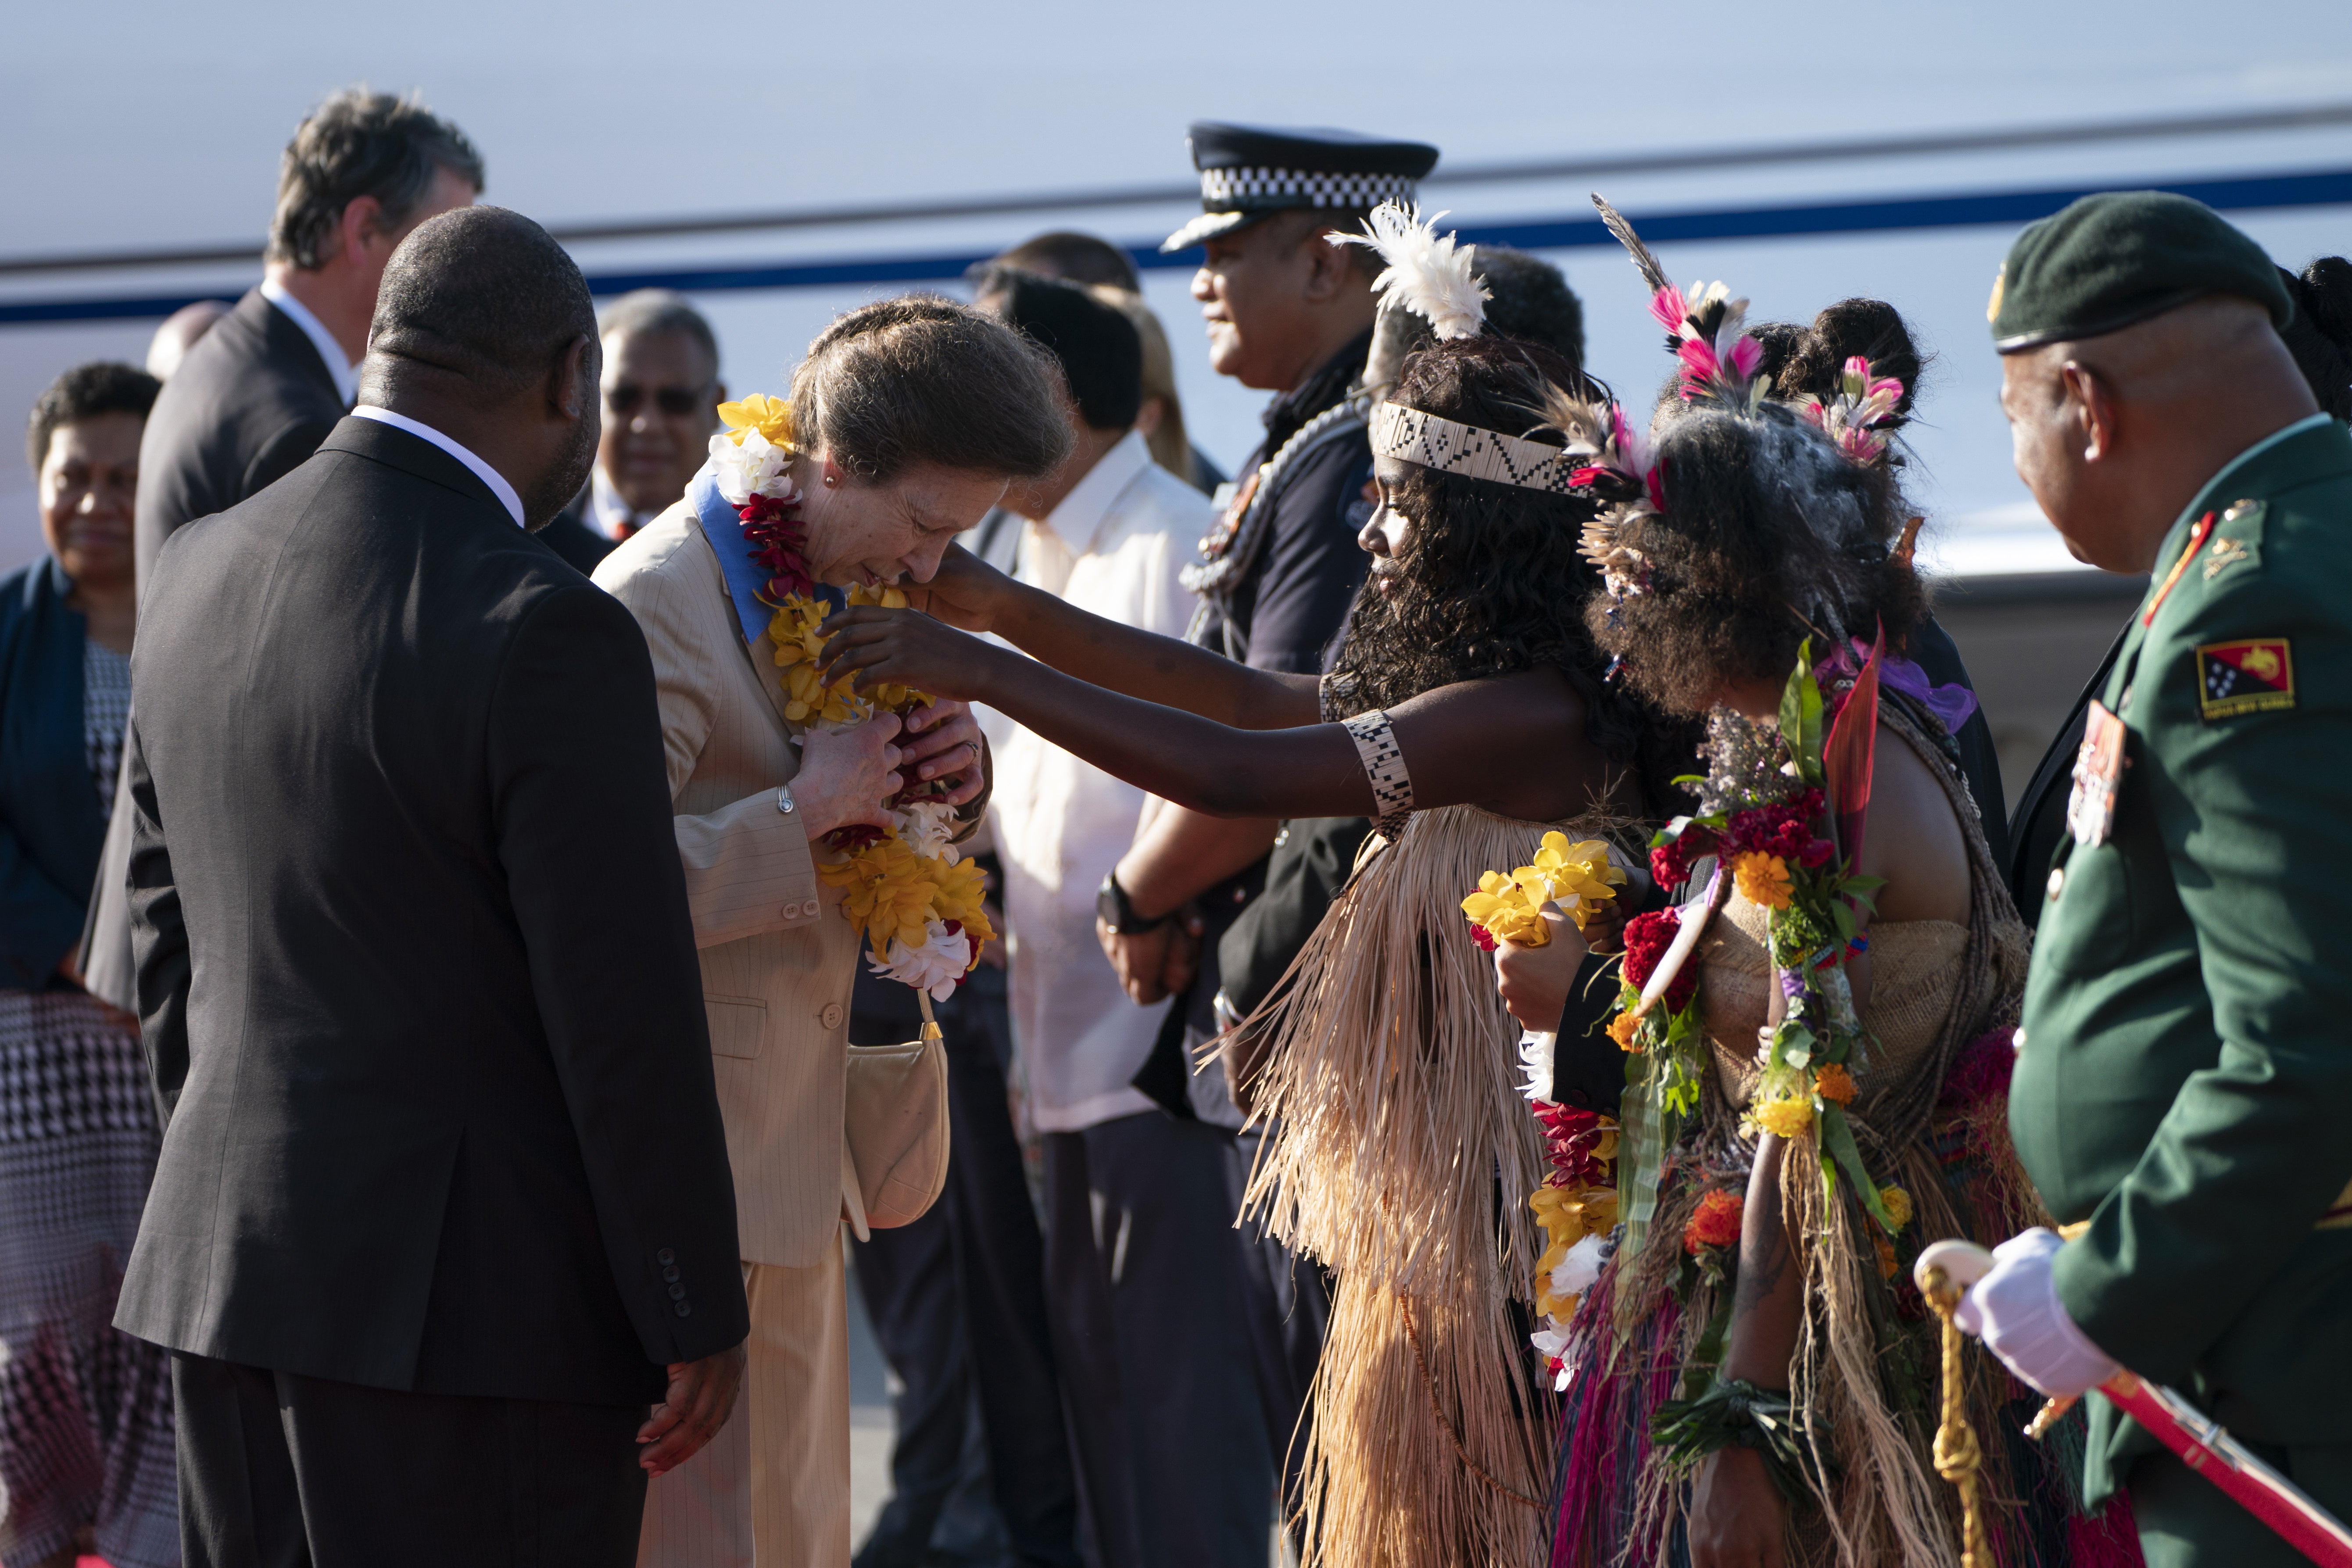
745,581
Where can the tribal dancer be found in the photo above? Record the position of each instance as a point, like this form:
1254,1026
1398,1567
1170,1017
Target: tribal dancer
1753,1379
1467,714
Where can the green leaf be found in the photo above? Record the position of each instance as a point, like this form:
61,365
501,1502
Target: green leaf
1792,1044
1837,1138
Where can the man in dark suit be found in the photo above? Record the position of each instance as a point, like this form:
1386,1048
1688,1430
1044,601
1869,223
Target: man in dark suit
444,1201
257,393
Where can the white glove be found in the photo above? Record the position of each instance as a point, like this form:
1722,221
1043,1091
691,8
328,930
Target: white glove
2016,1312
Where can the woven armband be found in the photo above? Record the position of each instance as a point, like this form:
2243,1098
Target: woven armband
1384,767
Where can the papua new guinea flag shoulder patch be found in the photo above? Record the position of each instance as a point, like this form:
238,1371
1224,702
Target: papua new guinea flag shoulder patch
2256,676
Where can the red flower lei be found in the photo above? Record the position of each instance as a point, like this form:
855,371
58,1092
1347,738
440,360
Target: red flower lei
773,529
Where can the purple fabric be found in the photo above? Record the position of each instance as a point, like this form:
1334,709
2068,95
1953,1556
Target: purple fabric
1954,704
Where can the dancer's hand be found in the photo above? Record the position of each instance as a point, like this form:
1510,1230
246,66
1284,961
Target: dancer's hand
849,778
1736,1514
1536,982
943,744
903,647
700,1397
964,592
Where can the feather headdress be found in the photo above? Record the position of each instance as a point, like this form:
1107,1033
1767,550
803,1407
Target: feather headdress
1703,328
1621,472
1426,275
1865,400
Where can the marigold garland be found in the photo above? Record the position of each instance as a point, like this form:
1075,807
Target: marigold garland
915,903
1763,879
1716,1222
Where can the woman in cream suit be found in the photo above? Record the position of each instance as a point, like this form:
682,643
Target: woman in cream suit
912,415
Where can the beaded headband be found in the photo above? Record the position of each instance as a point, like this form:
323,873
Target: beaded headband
1448,447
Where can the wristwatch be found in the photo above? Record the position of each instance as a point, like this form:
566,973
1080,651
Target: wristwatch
1112,908
784,799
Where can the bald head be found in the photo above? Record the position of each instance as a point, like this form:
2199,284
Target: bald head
484,329
478,302
2116,434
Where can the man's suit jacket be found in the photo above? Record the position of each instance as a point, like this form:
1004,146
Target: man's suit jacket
248,407
778,959
573,535
2041,819
416,976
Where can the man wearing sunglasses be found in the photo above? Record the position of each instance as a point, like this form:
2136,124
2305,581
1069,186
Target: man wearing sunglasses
661,391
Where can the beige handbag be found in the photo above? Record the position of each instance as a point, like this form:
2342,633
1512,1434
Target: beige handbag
896,1128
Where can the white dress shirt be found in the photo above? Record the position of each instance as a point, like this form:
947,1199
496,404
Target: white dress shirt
1113,547
339,366
614,517
486,474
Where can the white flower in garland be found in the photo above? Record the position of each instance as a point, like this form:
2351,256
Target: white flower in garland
1537,1052
1551,1344
1576,1273
935,967
927,826
756,467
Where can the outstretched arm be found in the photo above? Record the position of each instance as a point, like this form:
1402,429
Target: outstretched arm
1514,744
966,592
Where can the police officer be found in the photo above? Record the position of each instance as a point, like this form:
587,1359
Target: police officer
1290,313
2184,1076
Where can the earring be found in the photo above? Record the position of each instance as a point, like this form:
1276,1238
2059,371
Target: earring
831,480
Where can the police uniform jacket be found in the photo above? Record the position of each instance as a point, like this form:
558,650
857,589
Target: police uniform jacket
2185,1079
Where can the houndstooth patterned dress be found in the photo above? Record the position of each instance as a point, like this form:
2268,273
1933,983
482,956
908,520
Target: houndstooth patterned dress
85,1412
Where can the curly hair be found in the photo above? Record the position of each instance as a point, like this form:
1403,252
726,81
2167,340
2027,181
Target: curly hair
1810,361
1492,581
1769,536
2320,336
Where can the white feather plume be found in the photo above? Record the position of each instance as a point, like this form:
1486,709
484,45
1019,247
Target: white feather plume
1426,275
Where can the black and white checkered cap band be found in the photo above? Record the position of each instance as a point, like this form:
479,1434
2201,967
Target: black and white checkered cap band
1239,190
1451,448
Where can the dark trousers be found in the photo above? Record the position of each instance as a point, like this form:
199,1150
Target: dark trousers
1150,1330
958,1304
2187,1521
282,1471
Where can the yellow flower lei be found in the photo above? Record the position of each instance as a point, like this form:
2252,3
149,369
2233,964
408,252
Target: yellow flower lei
1576,876
891,893
798,633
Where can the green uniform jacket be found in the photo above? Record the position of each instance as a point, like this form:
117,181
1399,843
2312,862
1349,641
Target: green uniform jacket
2185,1079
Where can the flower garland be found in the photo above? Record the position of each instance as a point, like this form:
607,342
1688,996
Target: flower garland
910,896
1576,1207
1765,797
1577,877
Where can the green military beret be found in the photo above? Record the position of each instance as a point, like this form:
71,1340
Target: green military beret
2118,257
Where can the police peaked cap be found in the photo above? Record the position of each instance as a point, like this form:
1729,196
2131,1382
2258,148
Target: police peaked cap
1249,170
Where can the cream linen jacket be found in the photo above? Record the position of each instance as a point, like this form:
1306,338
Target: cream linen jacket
777,956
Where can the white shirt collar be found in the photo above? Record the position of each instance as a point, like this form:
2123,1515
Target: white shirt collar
424,432
608,512
1080,515
346,374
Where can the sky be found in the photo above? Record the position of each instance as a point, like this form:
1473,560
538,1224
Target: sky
149,124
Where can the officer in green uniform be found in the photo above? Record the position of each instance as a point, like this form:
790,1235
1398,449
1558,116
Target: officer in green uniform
2183,1087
